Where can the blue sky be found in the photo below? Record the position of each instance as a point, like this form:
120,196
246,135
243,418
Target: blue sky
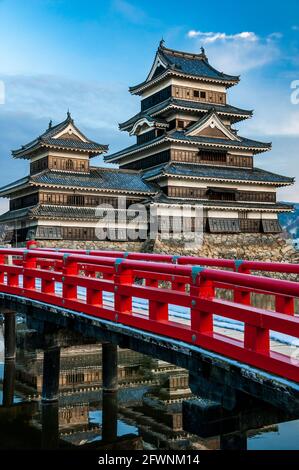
83,55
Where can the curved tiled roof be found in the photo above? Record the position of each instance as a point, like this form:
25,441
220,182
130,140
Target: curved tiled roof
64,212
99,178
47,138
163,199
193,106
11,215
180,136
220,173
242,142
185,63
12,186
192,64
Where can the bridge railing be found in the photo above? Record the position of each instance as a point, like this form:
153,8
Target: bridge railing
107,288
237,265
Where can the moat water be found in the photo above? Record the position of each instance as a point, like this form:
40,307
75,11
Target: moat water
145,413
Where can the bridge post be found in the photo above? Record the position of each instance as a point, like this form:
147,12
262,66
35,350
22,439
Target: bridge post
9,356
49,403
110,388
50,425
9,334
9,382
51,369
109,367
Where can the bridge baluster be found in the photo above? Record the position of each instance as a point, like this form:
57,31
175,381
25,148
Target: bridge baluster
284,304
94,297
180,286
255,338
2,268
29,263
157,310
122,279
70,268
48,286
201,288
152,283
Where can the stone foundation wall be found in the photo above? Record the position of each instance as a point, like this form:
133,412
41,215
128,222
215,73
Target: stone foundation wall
256,246
92,245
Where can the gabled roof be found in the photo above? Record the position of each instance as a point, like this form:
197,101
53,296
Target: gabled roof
212,121
172,62
64,135
240,142
191,106
195,171
149,121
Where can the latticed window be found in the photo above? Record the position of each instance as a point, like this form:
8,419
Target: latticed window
209,156
49,233
250,225
224,225
69,164
221,194
75,200
271,225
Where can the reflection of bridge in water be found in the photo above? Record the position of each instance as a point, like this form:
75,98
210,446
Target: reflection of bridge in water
145,308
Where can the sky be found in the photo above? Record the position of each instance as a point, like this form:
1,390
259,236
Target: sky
80,55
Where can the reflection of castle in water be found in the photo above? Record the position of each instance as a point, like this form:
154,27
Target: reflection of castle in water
81,369
151,392
145,412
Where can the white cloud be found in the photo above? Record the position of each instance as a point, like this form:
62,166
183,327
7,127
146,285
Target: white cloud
211,37
238,52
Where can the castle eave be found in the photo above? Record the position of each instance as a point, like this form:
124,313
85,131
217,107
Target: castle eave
141,87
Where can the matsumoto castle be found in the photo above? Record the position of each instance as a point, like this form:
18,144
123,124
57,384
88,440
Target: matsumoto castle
185,151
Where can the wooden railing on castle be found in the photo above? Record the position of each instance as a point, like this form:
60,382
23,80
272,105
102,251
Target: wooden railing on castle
77,279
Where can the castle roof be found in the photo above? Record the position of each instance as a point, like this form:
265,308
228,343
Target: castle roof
162,198
191,106
194,171
172,62
64,136
99,179
201,142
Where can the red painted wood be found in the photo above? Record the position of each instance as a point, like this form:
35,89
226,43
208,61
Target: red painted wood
100,271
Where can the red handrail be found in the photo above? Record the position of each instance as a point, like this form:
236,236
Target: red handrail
183,284
233,264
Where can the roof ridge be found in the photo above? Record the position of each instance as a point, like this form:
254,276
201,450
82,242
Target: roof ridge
177,53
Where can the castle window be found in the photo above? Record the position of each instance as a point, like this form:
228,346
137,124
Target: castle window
271,225
203,94
196,93
75,200
69,165
180,124
224,225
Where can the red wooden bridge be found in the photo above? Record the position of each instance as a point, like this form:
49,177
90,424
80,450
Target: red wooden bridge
77,279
